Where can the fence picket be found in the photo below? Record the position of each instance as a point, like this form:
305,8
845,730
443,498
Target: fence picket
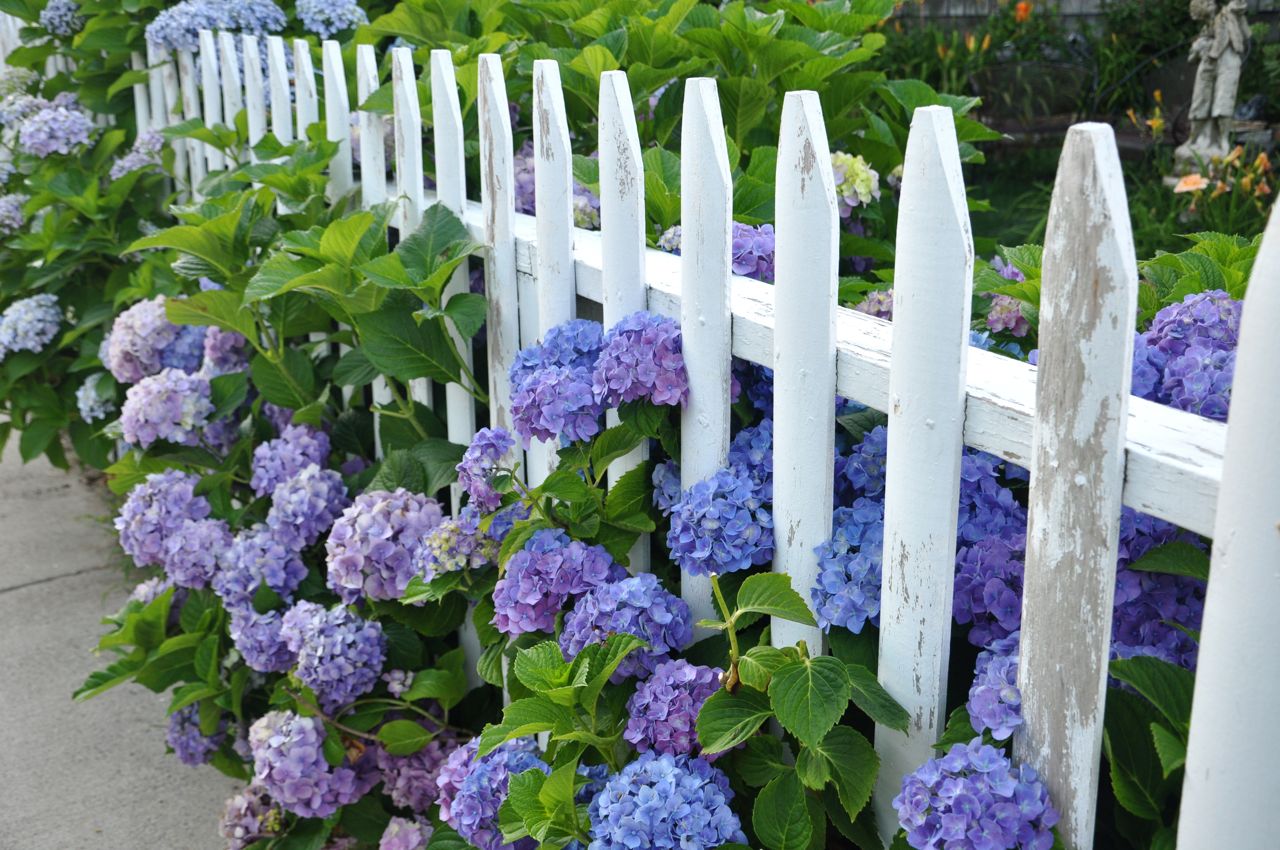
706,221
409,175
278,88
155,87
171,110
337,119
211,96
196,155
373,189
1233,749
1087,313
933,285
306,100
622,228
232,89
255,95
141,97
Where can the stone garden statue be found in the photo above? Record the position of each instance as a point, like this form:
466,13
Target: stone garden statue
1221,47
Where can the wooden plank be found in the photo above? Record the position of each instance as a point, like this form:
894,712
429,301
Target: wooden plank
210,91
622,229
196,156
409,174
278,89
232,87
337,119
306,100
141,97
706,218
932,290
1088,309
171,111
155,87
373,164
1233,748
255,95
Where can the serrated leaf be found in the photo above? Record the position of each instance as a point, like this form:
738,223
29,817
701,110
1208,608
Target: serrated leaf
403,737
781,815
727,720
854,765
1167,686
871,697
757,666
812,768
809,696
760,759
1178,558
1171,749
772,594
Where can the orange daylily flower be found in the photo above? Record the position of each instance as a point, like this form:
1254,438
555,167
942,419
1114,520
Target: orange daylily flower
1191,183
1022,11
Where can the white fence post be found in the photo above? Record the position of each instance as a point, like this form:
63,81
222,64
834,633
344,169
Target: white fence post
804,353
1233,749
141,97
171,108
196,160
255,94
932,290
232,91
409,182
278,86
1087,313
373,190
706,325
306,101
622,226
337,119
211,96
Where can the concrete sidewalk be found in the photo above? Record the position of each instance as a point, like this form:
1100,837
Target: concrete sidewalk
75,776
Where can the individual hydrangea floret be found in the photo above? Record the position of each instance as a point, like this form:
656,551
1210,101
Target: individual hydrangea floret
143,341
155,510
258,639
194,550
857,183
370,551
971,791
339,654
289,764
543,576
225,352
144,154
995,703
12,218
406,834
489,448
641,359
411,781
327,18
278,460
721,525
256,557
170,405
473,789
95,401
58,127
305,506
184,737
637,606
29,324
664,802
663,710
249,817
847,591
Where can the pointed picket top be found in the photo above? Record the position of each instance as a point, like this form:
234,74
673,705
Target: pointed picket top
171,99
306,99
278,87
553,186
197,157
373,160
1088,306
933,285
408,136
804,352
706,222
232,88
255,94
1232,751
210,90
337,118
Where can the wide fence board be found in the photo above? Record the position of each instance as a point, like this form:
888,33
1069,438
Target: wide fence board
141,97
306,100
278,91
337,119
211,96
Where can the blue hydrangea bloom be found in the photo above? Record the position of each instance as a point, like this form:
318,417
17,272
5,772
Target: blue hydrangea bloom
371,548
62,17
185,739
95,401
305,506
995,702
987,508
1199,381
57,127
258,639
847,592
637,606
666,486
574,344
473,789
144,154
489,449
405,834
178,27
988,589
543,576
193,551
278,460
327,18
751,452
255,557
555,403
170,405
721,525
641,359
139,341
224,352
29,324
339,654
154,511
289,764
662,801
663,710
12,218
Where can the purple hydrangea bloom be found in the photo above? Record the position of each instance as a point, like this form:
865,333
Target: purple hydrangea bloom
753,251
1005,314
255,557
371,546
289,764
721,525
586,207
988,589
169,405
553,403
987,509
327,18
525,183
193,551
541,577
862,472
12,218
185,739
258,639
154,511
249,816
452,774
1199,381
637,606
398,681
477,788
411,781
93,400
995,702
178,27
339,654
148,591
304,507
225,352
144,154
847,592
29,324
663,710
62,18
139,339
406,834
878,303
489,449
751,453
666,486
574,344
974,794
1210,319
278,460
641,359
279,417
458,543
661,801
57,127
1007,270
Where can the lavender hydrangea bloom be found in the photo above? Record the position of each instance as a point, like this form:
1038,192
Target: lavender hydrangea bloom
29,324
452,774
1007,270
279,417
62,18
988,589
398,681
257,556
995,702
249,816
304,507
1211,319
93,400
1199,381
18,106
489,448
154,511
55,128
411,781
339,654
586,204
751,452
721,525
670,239
663,710
541,577
170,405
662,801
574,344
847,592
987,509
371,546
666,486
145,153
11,216
637,606
857,183
140,339
278,460
327,18
878,303
586,207
554,403
862,472
974,791
641,359
753,249
178,27
481,789
258,639
193,551
224,352
405,834
1005,314
187,742
289,764
148,591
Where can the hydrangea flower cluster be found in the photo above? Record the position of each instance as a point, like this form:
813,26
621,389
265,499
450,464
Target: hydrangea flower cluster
1005,314
473,789
988,589
145,153
847,592
664,802
279,417
541,577
857,183
17,106
551,384
250,816
637,606
59,126
224,352
154,511
574,344
751,452
278,460
257,638
987,509
669,239
878,303
995,702
411,781
663,710
257,556
973,797
29,324
1007,270
586,207
148,591
169,405
862,472
339,654
371,546
458,543
192,552
187,742
143,341
178,27
12,219
1186,359
721,525
327,18
666,486
92,399
641,359
304,507
489,448
752,251
406,834
1199,381
289,764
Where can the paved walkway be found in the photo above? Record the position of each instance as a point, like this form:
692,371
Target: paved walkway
76,776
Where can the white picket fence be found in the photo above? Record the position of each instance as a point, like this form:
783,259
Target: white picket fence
1089,445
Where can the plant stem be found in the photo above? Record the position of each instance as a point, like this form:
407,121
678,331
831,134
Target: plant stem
728,628
406,409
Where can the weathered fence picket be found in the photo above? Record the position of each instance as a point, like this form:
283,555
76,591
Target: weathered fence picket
211,97
232,85
141,97
278,90
170,112
197,152
337,119
255,96
305,98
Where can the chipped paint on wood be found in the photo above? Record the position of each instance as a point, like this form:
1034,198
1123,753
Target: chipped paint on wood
337,119
255,97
